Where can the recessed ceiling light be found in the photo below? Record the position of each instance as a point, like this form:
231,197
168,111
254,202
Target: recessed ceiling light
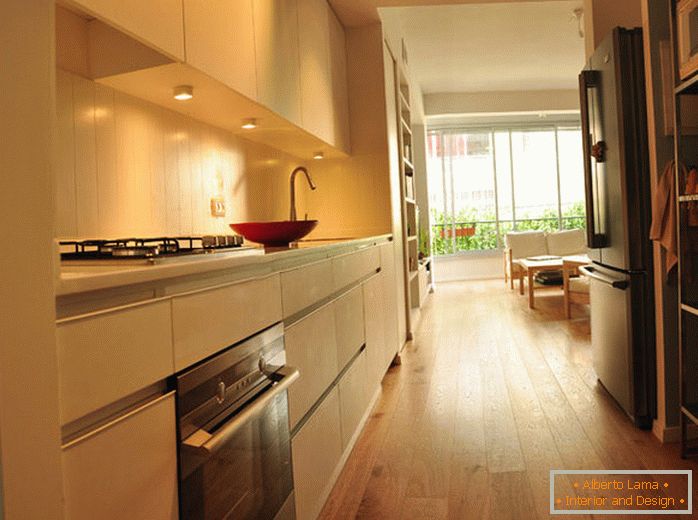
249,123
183,92
319,155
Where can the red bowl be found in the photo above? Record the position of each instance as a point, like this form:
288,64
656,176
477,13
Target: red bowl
274,234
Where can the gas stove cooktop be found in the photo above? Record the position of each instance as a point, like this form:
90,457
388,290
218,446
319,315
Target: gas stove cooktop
146,249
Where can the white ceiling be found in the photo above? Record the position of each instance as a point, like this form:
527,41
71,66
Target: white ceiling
493,47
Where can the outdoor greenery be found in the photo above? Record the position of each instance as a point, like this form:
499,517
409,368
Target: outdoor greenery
477,231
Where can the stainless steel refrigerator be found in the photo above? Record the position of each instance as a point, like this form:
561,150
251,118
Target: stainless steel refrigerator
617,180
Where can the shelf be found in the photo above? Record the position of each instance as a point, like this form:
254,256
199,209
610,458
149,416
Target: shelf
688,198
405,126
688,87
410,200
409,164
413,274
404,101
689,308
690,410
411,238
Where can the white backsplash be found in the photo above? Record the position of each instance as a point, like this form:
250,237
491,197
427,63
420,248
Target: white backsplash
127,167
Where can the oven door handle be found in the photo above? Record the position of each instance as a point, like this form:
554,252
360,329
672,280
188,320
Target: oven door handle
205,443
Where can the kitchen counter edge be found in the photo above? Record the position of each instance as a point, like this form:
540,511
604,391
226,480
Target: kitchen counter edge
73,283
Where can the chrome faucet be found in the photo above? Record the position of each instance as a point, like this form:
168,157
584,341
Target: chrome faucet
293,189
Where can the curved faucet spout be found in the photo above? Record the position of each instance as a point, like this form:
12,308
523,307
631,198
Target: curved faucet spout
292,181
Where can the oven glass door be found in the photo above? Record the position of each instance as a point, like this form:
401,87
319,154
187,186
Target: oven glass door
249,476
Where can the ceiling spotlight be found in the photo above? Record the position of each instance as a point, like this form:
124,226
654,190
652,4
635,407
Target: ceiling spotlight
183,92
319,155
249,123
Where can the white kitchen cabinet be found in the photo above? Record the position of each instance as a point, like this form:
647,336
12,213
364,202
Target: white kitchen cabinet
311,347
316,450
354,395
207,321
125,469
107,355
158,23
393,342
378,356
349,325
340,94
305,286
350,268
220,41
316,70
277,57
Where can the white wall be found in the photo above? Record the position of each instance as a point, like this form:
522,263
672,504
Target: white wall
498,102
471,266
601,16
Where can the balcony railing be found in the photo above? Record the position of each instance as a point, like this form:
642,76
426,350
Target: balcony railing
477,235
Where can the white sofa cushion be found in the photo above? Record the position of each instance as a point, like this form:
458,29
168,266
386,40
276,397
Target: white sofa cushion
565,243
579,284
526,243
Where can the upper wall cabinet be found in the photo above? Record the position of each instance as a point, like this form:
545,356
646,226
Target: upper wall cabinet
277,57
323,73
155,22
316,76
340,94
220,41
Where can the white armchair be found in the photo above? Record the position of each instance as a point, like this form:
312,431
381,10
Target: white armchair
521,244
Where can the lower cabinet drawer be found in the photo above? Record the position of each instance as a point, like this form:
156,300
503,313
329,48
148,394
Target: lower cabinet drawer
349,268
316,451
205,322
311,347
126,469
106,356
353,397
302,287
349,323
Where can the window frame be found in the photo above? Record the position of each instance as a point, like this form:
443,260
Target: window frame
490,129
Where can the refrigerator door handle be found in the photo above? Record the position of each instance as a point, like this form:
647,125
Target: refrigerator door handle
590,272
589,79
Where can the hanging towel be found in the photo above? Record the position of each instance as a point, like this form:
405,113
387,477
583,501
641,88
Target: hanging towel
663,228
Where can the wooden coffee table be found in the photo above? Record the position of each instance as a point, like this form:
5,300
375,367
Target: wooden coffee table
532,267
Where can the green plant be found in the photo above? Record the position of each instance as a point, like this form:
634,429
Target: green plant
480,230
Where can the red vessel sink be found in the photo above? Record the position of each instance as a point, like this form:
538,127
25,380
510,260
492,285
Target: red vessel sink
274,234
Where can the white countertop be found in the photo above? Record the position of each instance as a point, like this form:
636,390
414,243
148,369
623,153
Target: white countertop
92,277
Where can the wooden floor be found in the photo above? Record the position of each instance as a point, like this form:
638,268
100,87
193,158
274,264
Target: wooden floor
490,396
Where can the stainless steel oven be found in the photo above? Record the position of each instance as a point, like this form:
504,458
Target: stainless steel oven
234,439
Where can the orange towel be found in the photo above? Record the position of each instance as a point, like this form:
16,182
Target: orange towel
663,228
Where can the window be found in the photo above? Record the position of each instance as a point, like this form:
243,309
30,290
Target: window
486,182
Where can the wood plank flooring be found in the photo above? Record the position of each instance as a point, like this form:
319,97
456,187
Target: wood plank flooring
490,396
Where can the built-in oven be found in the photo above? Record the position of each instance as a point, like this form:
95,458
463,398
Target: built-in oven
234,438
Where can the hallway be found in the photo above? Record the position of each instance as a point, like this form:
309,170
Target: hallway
490,396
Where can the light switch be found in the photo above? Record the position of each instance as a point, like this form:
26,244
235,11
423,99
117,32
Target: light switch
217,207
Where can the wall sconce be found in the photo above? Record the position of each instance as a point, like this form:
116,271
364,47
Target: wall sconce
318,155
183,92
249,123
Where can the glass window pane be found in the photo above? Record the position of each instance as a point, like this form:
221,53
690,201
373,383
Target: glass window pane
474,203
571,178
535,179
439,203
